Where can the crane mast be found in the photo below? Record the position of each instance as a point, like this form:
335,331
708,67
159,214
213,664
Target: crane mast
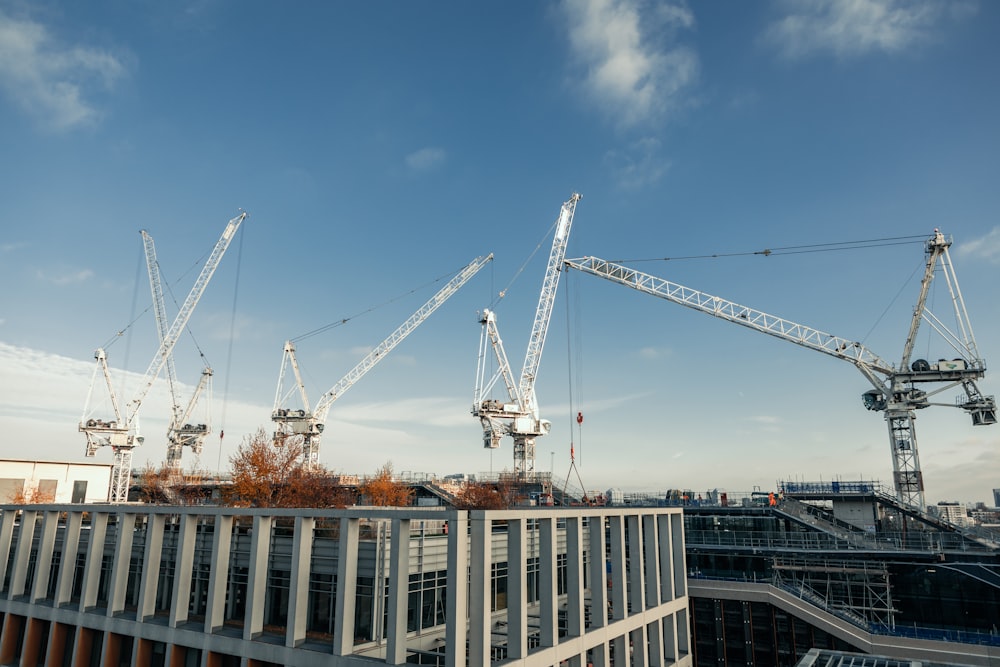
121,432
180,432
520,417
310,423
895,392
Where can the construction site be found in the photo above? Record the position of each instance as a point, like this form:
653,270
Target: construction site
759,578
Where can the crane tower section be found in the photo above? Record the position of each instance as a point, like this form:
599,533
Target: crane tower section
895,388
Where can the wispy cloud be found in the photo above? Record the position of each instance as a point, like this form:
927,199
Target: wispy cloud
853,28
637,165
11,247
66,278
987,247
51,80
425,159
633,67
654,353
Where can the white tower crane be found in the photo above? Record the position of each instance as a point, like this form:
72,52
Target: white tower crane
895,388
121,432
310,423
523,422
180,432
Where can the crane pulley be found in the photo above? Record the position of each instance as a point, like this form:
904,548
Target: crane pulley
121,432
310,422
895,388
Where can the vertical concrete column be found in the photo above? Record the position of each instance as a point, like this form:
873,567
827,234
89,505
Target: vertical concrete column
399,584
121,563
680,563
517,590
260,549
347,585
616,537
95,559
651,560
151,558
666,572
43,562
458,590
6,536
480,601
180,596
637,589
67,561
19,573
598,573
222,540
298,595
548,584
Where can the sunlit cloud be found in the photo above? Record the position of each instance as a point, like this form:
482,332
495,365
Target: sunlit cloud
632,66
986,247
50,80
766,419
654,353
425,159
66,278
854,28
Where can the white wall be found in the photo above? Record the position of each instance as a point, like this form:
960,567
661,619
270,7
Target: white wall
30,477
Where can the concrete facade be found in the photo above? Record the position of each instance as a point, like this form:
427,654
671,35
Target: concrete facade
178,586
55,481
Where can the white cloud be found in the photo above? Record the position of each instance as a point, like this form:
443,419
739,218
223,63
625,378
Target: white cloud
654,353
634,69
11,247
51,80
852,28
987,247
67,278
638,165
766,419
425,159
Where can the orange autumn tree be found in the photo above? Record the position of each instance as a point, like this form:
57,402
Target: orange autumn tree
481,496
383,490
266,473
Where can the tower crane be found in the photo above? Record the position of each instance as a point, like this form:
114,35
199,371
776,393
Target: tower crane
310,423
519,416
180,432
120,432
896,390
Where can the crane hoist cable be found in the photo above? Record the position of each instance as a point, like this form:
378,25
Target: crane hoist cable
796,249
502,293
345,320
229,351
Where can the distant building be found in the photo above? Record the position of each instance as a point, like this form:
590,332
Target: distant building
54,481
953,513
996,497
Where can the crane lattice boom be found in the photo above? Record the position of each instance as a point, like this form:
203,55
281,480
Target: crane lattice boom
310,423
895,389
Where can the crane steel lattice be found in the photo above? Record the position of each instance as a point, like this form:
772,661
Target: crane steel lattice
895,388
121,432
519,417
310,423
180,432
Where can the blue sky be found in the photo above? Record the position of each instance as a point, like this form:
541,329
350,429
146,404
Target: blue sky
379,147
